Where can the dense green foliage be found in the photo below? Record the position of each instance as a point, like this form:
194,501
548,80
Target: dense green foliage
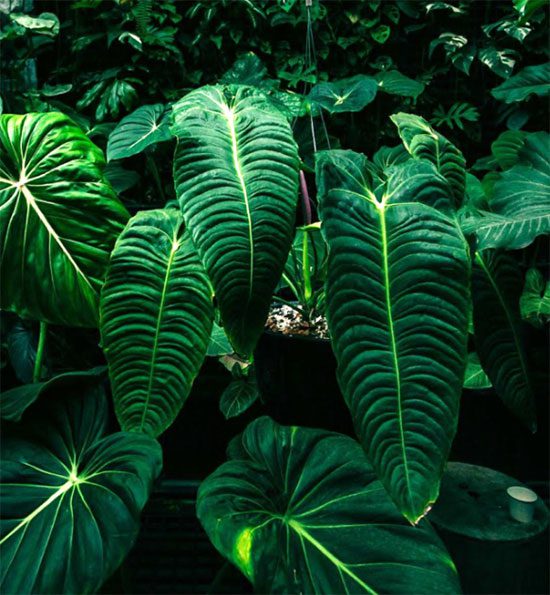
383,164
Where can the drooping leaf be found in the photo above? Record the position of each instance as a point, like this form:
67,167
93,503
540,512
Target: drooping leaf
457,50
532,80
395,83
236,175
241,393
21,343
219,343
156,319
299,510
507,147
348,95
397,308
423,142
496,289
71,496
142,128
519,202
59,219
534,303
121,179
15,401
475,377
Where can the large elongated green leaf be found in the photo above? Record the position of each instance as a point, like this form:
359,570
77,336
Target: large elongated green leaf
156,319
300,511
532,80
423,142
520,201
59,219
397,307
236,173
142,128
70,496
496,290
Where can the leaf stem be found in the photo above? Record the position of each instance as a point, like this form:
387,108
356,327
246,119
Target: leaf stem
155,172
40,352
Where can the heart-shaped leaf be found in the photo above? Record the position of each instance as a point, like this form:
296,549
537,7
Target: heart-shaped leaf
300,511
142,128
156,319
71,496
59,219
397,309
348,95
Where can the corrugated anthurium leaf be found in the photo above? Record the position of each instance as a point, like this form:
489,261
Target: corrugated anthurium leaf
236,176
71,497
397,308
156,320
423,142
59,219
299,510
496,290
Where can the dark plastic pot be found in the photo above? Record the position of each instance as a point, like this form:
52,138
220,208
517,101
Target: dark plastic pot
297,380
195,444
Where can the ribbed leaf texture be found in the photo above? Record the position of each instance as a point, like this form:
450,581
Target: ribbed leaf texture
397,307
59,219
236,175
156,319
496,290
423,142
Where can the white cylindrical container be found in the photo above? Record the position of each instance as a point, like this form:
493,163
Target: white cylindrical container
521,503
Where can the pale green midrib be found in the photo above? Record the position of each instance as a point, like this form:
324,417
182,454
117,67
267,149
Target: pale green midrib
229,116
60,492
393,342
160,318
29,198
338,563
509,317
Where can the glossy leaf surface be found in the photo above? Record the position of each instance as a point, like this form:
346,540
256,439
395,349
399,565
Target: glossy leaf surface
397,304
300,511
142,128
348,95
236,174
59,219
496,289
156,319
71,496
